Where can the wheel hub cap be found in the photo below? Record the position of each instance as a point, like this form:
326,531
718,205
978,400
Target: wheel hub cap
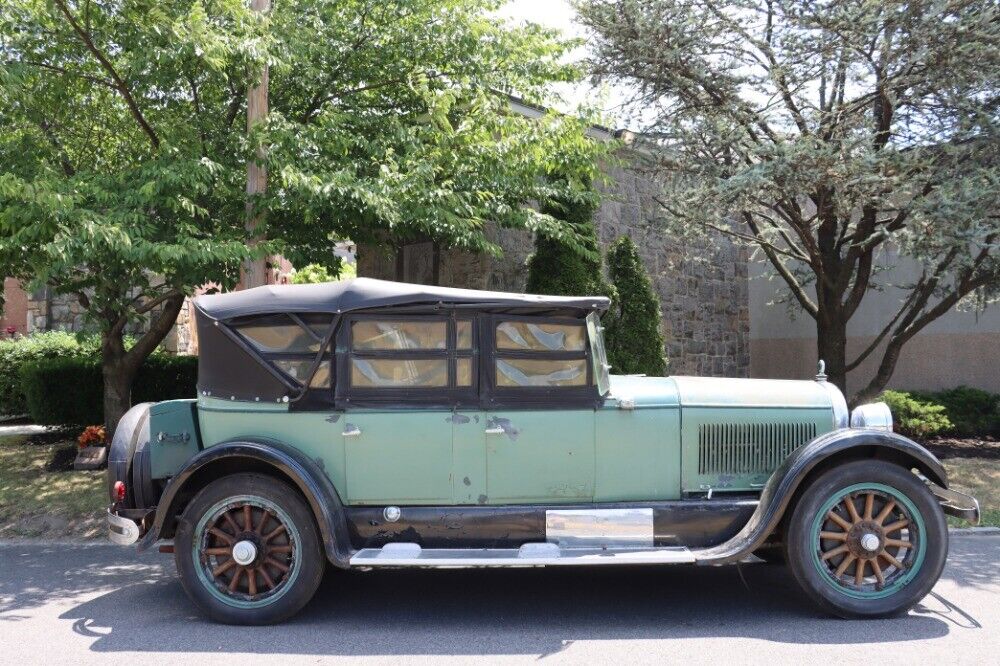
870,542
244,552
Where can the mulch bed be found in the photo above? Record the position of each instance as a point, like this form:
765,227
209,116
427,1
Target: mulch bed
964,447
62,459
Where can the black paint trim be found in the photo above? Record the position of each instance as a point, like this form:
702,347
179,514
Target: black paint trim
785,481
691,523
310,479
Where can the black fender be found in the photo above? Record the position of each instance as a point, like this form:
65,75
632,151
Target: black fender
305,473
786,480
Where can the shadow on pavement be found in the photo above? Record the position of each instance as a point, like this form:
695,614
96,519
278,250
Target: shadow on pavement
483,612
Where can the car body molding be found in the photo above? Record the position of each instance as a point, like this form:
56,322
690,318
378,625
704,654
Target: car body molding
306,474
785,480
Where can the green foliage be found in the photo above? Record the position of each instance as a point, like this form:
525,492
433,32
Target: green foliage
972,412
123,148
313,273
15,352
559,269
44,383
633,336
824,136
915,417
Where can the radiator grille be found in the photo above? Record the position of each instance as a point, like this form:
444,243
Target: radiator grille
748,448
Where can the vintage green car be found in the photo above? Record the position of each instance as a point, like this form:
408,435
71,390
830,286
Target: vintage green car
377,424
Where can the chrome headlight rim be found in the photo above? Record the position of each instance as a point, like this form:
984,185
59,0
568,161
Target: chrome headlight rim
873,415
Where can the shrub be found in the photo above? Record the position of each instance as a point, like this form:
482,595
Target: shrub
313,273
70,390
972,411
914,416
556,269
634,339
17,351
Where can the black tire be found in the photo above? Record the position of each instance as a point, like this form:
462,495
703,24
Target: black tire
894,590
272,503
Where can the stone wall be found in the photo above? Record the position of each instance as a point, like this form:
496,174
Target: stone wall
703,291
63,312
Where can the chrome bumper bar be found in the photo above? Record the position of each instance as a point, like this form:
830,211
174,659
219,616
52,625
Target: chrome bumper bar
121,531
957,504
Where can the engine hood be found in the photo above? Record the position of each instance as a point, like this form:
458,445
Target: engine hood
723,392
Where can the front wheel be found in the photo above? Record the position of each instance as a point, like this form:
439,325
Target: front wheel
867,539
247,550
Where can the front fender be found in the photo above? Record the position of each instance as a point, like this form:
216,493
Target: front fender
305,473
785,480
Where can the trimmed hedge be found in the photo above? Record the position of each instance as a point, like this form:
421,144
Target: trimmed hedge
15,352
961,412
70,391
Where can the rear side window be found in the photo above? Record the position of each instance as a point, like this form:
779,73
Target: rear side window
413,353
291,343
539,354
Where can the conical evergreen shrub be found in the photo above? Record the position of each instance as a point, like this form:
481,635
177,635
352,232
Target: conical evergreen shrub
632,325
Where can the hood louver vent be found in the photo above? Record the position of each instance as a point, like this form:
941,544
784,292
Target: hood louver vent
748,448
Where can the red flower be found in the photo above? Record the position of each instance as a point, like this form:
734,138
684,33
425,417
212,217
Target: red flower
92,436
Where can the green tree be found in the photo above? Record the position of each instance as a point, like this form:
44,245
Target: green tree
829,137
558,269
633,335
123,147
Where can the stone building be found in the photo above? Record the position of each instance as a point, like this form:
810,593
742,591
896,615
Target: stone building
703,291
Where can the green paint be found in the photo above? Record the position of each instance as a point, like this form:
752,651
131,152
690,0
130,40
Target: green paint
541,456
914,562
400,457
638,454
736,480
175,420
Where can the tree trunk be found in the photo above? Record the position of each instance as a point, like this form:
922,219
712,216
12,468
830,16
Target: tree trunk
831,347
118,377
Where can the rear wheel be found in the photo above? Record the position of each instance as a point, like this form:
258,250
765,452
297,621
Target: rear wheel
867,539
247,550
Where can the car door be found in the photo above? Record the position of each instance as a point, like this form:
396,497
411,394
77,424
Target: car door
400,377
540,429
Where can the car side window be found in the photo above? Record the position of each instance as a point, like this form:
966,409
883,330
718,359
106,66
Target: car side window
540,354
410,353
291,344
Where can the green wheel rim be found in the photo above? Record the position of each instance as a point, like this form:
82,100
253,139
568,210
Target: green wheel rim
277,549
843,546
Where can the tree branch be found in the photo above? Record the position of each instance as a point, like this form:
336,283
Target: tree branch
119,83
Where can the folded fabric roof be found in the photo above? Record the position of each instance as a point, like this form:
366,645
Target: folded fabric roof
365,293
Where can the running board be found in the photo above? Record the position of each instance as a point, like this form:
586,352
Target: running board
528,555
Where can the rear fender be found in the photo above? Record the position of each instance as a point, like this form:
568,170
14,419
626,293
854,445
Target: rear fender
795,471
290,463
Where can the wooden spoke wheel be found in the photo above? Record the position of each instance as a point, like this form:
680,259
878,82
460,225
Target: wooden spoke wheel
867,540
247,550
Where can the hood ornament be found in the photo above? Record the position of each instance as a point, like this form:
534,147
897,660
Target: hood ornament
821,371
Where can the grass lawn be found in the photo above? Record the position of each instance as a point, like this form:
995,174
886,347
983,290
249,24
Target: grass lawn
980,478
39,504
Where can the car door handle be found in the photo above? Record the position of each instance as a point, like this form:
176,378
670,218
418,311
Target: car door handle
352,431
494,431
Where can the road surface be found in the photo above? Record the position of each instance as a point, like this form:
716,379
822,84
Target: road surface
102,604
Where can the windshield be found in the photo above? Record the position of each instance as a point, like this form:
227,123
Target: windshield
596,334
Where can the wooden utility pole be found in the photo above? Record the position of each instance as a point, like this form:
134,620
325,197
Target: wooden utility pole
255,270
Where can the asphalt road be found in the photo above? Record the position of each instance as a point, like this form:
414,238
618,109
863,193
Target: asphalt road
101,604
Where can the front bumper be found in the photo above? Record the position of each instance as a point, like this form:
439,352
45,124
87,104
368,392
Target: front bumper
957,504
122,531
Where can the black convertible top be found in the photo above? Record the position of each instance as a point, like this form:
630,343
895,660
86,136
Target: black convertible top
365,293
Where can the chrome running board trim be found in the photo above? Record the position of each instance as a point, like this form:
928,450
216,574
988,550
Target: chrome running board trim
528,555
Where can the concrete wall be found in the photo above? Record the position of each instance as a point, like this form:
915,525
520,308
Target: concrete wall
962,347
703,291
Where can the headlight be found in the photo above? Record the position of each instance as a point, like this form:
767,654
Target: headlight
873,415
